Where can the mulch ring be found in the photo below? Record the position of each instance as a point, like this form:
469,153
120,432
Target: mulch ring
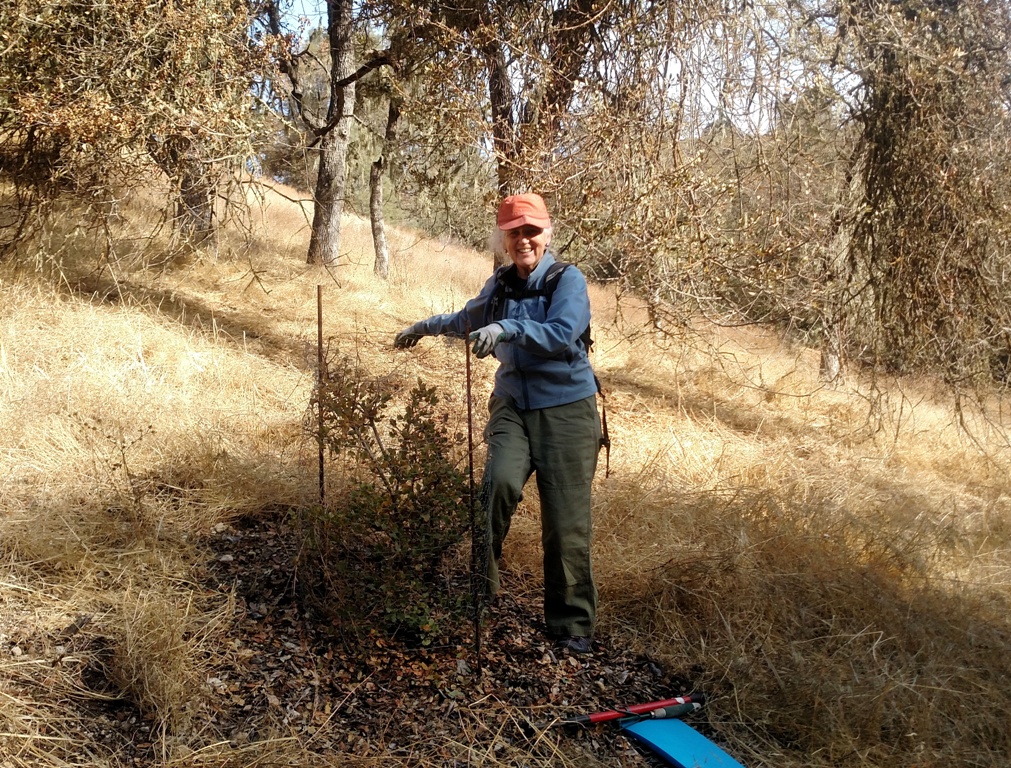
288,675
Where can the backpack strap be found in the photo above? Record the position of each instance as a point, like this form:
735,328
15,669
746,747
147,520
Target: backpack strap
605,438
507,287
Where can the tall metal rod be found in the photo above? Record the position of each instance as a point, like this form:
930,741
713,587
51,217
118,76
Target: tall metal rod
319,391
475,546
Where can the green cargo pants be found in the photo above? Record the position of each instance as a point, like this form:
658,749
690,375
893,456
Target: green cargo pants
560,445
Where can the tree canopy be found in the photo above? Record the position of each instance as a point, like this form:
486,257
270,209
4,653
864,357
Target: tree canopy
92,93
836,169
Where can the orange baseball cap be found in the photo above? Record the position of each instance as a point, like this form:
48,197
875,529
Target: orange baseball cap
517,210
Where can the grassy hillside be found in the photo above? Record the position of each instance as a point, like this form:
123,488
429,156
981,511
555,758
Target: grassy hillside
830,566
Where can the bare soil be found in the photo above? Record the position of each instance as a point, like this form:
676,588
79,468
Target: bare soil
377,696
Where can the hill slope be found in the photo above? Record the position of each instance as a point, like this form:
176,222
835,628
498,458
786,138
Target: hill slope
830,566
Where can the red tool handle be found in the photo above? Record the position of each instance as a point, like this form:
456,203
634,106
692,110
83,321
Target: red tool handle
635,709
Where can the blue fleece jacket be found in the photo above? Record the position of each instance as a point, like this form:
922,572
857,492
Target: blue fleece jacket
542,362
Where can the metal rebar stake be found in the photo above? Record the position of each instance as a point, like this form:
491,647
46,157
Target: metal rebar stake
475,547
319,391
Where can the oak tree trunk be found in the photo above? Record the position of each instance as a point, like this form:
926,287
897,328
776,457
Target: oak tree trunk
195,207
382,265
331,181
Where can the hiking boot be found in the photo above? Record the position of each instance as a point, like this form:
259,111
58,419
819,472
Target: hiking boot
574,644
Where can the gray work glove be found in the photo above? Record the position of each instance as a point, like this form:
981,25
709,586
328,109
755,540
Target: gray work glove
408,337
485,339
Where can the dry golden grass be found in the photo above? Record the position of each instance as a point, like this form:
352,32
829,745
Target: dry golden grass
836,576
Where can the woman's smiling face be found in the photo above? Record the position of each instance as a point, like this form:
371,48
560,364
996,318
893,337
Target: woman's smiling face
526,246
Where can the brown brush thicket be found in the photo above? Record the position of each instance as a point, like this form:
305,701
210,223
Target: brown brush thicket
928,252
835,170
99,98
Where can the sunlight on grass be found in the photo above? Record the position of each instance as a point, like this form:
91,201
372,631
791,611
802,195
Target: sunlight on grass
834,565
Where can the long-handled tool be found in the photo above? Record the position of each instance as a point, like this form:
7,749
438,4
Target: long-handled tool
675,707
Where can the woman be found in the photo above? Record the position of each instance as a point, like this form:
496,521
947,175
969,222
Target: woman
543,411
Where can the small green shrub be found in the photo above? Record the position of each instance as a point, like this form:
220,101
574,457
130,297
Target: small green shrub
380,552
